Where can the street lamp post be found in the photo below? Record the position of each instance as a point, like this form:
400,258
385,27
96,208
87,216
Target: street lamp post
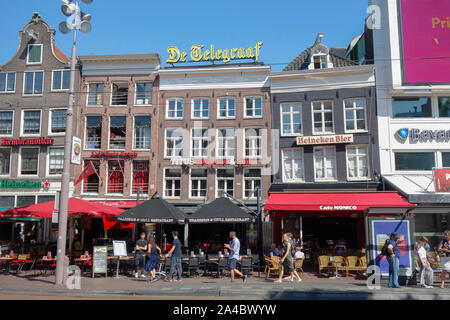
77,20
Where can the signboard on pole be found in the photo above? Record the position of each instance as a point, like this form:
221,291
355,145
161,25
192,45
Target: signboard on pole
442,179
120,248
76,150
99,263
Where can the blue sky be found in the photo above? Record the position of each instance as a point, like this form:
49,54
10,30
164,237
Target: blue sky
286,27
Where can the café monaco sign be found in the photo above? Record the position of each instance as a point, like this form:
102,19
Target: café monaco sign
27,142
211,162
108,154
202,53
417,135
342,138
25,184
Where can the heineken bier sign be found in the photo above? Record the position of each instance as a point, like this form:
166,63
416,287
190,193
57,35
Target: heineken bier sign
25,184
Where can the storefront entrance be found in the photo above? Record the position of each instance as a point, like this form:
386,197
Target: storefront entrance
325,229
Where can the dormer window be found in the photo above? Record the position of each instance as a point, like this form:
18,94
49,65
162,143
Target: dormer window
320,61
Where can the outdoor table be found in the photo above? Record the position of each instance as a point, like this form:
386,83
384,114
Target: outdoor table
335,263
6,261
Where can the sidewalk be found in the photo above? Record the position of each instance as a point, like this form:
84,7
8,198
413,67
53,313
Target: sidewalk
311,288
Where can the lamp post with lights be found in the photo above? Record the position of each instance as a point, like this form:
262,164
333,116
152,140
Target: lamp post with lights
77,20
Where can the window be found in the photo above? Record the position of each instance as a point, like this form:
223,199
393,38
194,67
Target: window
6,122
414,161
93,132
33,83
253,142
34,55
200,109
29,161
58,120
144,93
95,94
411,107
42,199
227,108
225,182
253,107
172,182
91,183
140,176
291,118
320,61
175,109
443,102
292,165
323,117
115,176
55,161
142,132
252,180
31,122
357,163
226,142
200,142
23,201
199,183
7,202
5,160
325,163
61,80
355,115
117,132
7,82
119,96
446,159
174,142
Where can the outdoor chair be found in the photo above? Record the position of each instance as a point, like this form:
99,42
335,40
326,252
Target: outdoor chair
363,263
18,263
272,265
246,265
222,265
352,265
324,263
193,266
298,265
167,265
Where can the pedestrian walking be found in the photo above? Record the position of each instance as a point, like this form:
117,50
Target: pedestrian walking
444,248
286,262
234,247
426,273
140,250
152,252
175,253
393,259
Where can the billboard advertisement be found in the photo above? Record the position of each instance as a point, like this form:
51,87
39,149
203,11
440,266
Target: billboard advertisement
425,27
442,180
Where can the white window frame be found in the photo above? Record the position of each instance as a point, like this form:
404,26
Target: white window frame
112,94
134,129
10,160
22,123
109,132
19,174
394,169
50,115
302,155
226,138
322,112
47,171
167,108
227,107
34,83
135,94
87,95
198,178
253,116
62,80
233,179
132,177
358,178
201,107
291,115
98,171
354,109
326,179
201,139
320,56
253,140
86,133
165,143
254,196
12,128
6,82
28,53
107,178
164,183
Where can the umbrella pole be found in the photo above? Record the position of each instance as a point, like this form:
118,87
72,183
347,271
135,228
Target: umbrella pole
186,235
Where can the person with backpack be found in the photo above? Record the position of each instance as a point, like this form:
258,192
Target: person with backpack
393,257
287,262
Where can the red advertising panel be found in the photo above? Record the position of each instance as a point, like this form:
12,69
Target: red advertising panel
426,40
442,180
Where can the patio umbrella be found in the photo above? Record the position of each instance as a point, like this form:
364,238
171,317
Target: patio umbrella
221,210
154,210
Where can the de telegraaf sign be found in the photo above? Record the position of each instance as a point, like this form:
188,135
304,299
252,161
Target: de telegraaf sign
417,135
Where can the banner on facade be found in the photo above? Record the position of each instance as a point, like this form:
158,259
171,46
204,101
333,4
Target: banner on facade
76,150
442,179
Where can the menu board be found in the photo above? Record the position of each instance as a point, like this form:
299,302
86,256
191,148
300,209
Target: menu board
99,264
120,248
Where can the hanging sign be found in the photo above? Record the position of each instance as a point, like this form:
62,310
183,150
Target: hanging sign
442,180
76,150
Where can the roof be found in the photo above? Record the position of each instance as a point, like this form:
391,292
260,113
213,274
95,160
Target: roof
61,56
154,57
221,210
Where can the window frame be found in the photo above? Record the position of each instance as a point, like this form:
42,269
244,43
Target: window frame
19,170
10,160
232,179
112,94
136,93
87,95
190,183
134,133
47,169
6,81
22,123
326,179
34,83
261,147
202,139
165,143
354,110
394,151
85,180
253,116
283,169
50,117
132,176
226,139
322,111
62,80
227,108
167,108
12,127
108,177
291,104
254,195
404,97
109,132
164,182
86,133
28,53
367,178
201,108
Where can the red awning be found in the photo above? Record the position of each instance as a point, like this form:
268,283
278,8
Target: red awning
354,201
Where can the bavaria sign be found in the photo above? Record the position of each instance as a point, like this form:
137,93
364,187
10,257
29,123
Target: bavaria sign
343,138
417,135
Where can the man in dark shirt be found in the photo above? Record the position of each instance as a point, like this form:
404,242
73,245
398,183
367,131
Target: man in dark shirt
393,260
141,249
175,262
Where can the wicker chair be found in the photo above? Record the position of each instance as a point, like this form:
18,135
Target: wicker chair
298,265
352,265
324,263
271,266
363,263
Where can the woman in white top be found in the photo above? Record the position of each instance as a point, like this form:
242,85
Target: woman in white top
426,273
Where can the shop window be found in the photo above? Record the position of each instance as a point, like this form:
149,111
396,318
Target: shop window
56,161
199,182
357,162
323,117
5,160
253,142
142,132
226,142
140,176
291,119
175,108
23,201
355,115
200,109
174,142
115,176
411,107
144,93
91,183
7,82
119,95
172,182
200,142
42,199
31,122
7,202
95,94
253,107
117,132
325,163
444,106
93,132
6,122
29,161
293,165
61,80
252,180
227,108
414,161
58,120
34,83
225,182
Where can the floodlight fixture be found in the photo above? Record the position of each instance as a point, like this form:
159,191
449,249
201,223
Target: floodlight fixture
85,16
87,1
64,27
68,9
85,26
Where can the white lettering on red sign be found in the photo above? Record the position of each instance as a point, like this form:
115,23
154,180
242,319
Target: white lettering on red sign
334,208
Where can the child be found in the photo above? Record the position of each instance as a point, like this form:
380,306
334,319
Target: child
426,273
